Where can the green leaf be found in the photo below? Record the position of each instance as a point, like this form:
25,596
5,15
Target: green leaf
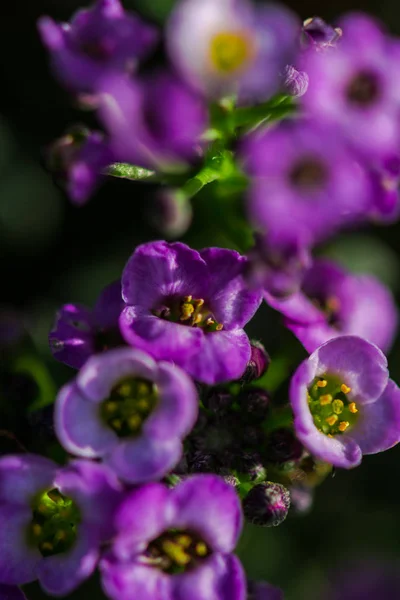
127,171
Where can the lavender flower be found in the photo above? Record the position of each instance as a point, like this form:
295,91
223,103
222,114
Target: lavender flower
304,188
129,411
98,40
344,403
333,302
230,47
50,531
320,35
356,88
77,160
147,132
174,544
79,332
261,590
189,307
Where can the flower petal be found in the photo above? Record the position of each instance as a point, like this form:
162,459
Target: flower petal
134,581
18,561
158,270
22,476
209,506
219,578
79,426
144,459
230,299
223,356
378,426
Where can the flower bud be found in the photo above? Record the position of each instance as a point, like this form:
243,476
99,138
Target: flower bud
267,504
250,465
255,402
258,363
282,446
295,82
218,400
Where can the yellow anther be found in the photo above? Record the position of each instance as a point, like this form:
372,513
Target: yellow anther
46,546
230,51
201,549
199,302
134,422
332,304
186,311
219,327
197,319
37,529
60,535
345,388
125,390
175,553
353,408
343,425
184,540
322,383
142,388
116,423
142,404
325,399
187,298
337,406
210,321
111,407
332,420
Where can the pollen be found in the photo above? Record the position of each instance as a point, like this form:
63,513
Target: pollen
343,425
353,408
37,530
134,422
322,383
332,420
325,399
110,407
176,553
345,389
184,540
186,311
230,51
201,549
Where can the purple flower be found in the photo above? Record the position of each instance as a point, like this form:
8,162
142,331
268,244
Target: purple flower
319,35
231,47
148,132
54,520
77,160
129,411
276,267
366,579
98,40
344,403
333,302
261,590
355,87
189,307
11,592
306,183
295,82
79,332
175,544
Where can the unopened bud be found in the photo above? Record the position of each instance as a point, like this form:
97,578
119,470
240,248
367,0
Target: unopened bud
255,403
258,363
267,504
282,446
295,82
218,400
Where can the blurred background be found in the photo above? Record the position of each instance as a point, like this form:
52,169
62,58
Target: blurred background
52,252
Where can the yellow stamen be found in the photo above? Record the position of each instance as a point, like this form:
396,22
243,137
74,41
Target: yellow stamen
332,420
187,298
184,540
134,422
332,304
116,423
345,389
197,319
210,321
201,549
230,51
353,408
176,553
142,404
46,546
60,535
187,310
337,406
124,390
37,530
325,399
110,407
343,425
219,327
322,383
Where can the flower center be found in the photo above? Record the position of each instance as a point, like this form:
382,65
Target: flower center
363,89
189,311
129,405
308,174
176,551
53,528
330,306
332,410
229,51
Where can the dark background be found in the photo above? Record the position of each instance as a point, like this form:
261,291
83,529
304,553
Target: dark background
52,252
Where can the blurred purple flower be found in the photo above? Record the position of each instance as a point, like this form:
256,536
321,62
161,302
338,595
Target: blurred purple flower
344,403
333,302
261,590
319,35
231,47
189,307
305,183
50,531
129,411
174,544
146,131
98,40
79,332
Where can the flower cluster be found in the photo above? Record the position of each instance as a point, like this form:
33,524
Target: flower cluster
168,433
